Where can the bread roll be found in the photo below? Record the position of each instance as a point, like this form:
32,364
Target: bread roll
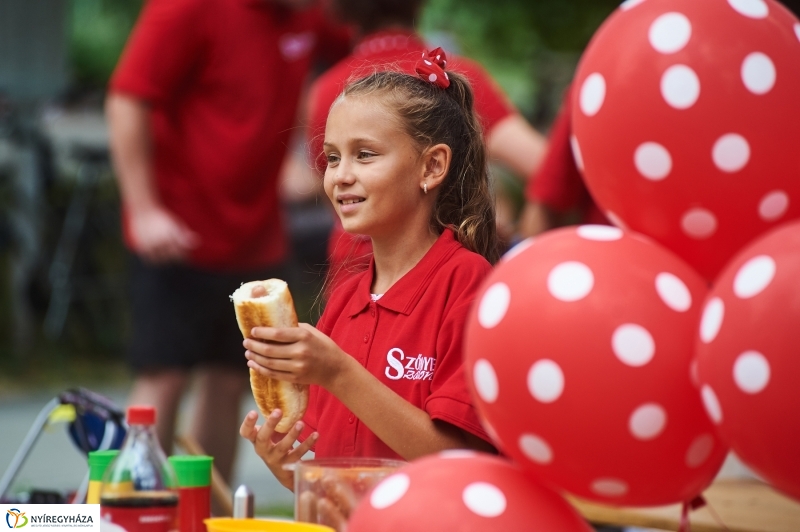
269,304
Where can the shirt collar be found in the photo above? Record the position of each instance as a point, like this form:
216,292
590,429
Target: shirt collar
404,295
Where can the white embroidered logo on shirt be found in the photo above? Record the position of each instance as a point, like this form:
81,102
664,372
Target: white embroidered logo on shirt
418,368
296,45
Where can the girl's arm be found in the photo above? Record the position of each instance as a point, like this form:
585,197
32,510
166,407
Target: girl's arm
305,355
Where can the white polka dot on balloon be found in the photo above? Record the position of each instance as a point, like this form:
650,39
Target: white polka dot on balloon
751,372
754,276
609,487
711,322
758,73
628,4
570,281
711,403
731,152
750,8
593,94
680,86
536,449
699,223
519,248
647,421
633,345
653,161
773,205
494,305
389,491
485,379
670,32
545,381
576,152
615,219
673,292
484,499
699,450
457,454
599,233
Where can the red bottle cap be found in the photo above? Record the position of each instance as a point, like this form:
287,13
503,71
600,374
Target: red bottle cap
141,415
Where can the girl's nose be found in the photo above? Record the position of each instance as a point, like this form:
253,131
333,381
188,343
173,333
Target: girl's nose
343,173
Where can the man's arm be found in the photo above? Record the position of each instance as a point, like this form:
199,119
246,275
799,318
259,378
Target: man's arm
515,144
158,236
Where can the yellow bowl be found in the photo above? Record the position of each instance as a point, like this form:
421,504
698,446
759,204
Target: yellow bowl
227,524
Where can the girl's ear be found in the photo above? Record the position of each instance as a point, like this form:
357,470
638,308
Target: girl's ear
437,163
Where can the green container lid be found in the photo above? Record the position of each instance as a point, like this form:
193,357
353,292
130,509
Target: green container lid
192,471
98,462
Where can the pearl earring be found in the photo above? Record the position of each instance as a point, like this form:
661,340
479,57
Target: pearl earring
425,187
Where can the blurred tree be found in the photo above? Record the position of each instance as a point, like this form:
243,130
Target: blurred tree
525,44
98,31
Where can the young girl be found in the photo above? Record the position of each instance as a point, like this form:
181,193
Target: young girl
386,40
406,165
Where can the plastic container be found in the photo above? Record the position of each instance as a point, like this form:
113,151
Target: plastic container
98,463
194,489
226,524
327,490
139,490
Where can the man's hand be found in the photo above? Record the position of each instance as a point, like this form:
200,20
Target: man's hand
159,237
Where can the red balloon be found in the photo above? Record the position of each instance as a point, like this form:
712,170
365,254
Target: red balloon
464,491
685,122
748,356
578,354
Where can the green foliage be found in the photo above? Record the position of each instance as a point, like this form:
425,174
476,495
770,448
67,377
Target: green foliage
516,39
98,31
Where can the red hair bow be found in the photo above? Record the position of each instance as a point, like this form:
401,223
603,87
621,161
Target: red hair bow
431,68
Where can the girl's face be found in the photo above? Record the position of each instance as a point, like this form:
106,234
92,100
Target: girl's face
375,173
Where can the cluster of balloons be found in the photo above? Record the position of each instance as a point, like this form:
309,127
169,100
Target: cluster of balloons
620,364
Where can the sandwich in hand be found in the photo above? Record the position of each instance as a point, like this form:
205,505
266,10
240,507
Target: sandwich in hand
269,304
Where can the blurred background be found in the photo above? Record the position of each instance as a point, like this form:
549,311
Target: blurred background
62,280
63,287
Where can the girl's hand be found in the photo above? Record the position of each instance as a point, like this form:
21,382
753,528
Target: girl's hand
278,454
301,354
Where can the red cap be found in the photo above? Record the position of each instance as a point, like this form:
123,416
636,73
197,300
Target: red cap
141,415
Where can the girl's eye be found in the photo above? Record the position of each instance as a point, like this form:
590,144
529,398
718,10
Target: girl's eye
365,154
332,159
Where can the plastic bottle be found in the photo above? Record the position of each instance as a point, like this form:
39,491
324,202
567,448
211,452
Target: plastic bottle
98,463
194,482
139,491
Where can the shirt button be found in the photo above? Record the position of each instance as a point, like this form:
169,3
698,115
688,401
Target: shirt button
372,311
351,419
366,338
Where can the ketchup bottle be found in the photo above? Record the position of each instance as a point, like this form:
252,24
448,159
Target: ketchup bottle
139,491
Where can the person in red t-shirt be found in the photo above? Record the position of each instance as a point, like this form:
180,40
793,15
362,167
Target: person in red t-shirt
387,41
406,165
200,109
557,195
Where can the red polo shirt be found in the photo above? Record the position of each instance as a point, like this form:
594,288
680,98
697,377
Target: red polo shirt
411,339
223,78
387,50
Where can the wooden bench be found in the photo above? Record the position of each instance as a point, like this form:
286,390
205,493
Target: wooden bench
741,506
